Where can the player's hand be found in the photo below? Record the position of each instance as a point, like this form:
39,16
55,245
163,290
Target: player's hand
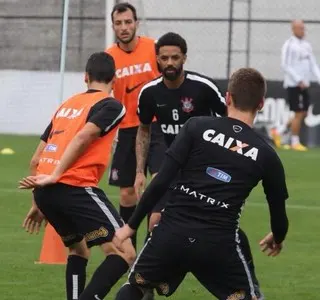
121,235
302,86
140,184
36,181
268,245
32,222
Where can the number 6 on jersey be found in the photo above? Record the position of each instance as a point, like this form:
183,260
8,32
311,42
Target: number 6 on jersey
175,115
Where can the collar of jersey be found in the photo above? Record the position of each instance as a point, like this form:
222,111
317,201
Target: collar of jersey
92,91
129,52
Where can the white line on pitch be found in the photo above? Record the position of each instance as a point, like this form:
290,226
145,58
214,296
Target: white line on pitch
255,204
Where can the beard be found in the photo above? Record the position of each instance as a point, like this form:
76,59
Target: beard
172,73
128,39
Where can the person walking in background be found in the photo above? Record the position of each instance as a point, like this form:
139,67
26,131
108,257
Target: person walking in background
299,66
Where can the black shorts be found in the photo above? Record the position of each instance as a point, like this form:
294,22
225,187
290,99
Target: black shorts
123,168
78,212
218,265
298,99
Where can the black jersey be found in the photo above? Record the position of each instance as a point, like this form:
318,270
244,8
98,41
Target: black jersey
197,96
220,161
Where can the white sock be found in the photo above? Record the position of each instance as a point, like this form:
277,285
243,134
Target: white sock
295,140
282,129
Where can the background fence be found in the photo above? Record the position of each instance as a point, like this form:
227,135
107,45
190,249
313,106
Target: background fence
221,35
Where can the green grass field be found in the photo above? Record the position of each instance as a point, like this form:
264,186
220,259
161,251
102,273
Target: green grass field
294,275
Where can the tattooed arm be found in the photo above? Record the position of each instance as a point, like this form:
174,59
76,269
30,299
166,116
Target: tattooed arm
146,113
142,146
142,149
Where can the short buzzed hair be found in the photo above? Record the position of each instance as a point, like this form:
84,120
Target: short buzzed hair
100,67
247,88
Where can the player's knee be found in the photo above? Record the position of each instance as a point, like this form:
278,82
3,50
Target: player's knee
127,252
128,255
128,196
80,249
300,115
154,220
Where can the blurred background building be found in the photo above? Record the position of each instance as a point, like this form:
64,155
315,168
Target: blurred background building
221,35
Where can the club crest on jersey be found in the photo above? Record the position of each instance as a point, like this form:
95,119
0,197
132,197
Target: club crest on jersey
114,174
187,105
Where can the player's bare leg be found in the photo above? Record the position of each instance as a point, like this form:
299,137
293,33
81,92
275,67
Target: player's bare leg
286,136
128,202
154,220
295,130
276,137
110,270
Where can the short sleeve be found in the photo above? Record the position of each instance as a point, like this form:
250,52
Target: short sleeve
146,111
216,101
45,136
106,114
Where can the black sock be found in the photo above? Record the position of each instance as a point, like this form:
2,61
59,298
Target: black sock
245,247
129,291
75,276
125,214
104,278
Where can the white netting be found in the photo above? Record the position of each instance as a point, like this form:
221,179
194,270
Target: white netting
30,40
206,27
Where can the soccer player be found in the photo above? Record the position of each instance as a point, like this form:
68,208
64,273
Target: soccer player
299,66
77,149
136,64
220,161
172,98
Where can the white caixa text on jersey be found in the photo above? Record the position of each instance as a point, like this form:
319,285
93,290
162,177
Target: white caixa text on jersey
230,143
171,128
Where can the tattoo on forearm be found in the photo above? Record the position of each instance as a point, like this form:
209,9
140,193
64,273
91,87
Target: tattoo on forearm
142,147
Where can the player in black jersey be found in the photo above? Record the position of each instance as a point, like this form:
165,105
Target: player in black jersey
220,161
174,98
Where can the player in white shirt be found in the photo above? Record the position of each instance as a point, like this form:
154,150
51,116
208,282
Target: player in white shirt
299,66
